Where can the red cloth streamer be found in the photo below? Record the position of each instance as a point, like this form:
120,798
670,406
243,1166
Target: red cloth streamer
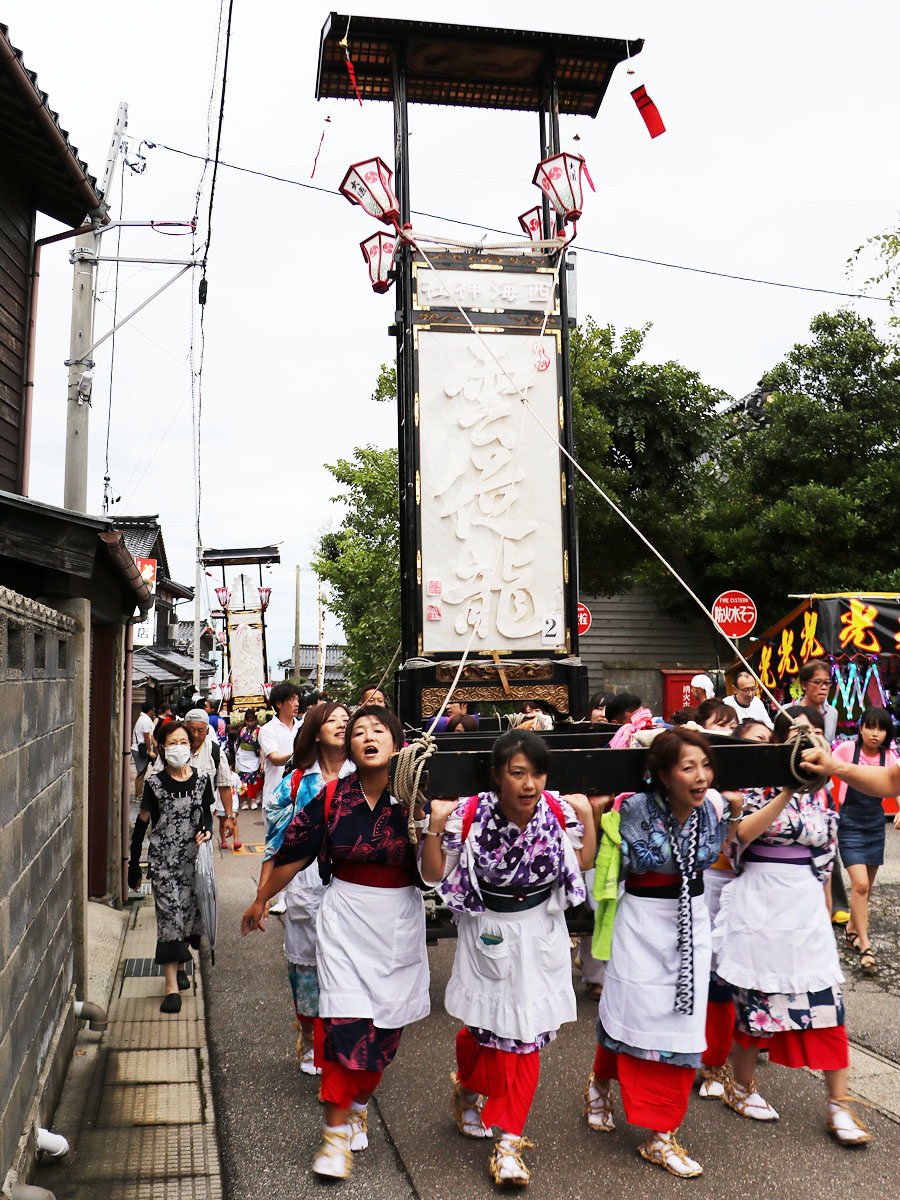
654,1094
316,159
508,1080
648,111
351,71
818,1049
341,1086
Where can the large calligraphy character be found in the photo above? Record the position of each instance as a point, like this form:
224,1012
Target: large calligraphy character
810,646
857,631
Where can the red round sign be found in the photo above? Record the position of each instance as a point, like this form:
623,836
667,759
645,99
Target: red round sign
584,618
734,613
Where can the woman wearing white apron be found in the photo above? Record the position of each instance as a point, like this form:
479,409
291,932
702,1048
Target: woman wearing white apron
508,863
319,757
652,1015
370,930
776,948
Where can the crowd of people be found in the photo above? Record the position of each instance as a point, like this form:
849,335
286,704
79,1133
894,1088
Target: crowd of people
713,936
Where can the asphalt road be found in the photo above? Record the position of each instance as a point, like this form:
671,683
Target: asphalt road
269,1119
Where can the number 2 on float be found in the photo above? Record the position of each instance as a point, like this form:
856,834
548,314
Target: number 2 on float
551,630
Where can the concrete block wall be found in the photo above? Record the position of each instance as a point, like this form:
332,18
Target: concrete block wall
37,701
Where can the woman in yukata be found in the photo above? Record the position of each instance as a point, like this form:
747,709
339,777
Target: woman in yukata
319,757
652,1014
370,930
508,863
776,948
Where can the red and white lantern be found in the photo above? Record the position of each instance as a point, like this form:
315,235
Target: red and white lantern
368,184
226,691
267,689
532,222
221,637
264,594
559,177
378,251
223,595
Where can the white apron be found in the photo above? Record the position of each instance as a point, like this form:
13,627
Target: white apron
371,955
638,1002
715,881
773,932
302,898
516,987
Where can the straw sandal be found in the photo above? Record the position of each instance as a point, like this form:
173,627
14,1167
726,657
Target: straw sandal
333,1157
357,1119
506,1166
664,1150
713,1081
306,1054
844,1124
598,1107
867,962
467,1113
747,1101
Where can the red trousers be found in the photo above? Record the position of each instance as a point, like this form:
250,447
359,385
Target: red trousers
318,1032
719,1032
820,1049
654,1094
341,1086
508,1080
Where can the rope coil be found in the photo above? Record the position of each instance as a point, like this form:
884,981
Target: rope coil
801,737
408,767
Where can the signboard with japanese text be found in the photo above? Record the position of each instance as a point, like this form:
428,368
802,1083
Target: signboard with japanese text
734,613
147,568
143,631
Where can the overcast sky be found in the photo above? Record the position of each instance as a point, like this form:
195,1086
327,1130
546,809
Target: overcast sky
780,158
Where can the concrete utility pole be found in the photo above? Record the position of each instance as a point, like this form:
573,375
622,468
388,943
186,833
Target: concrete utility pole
320,660
297,627
81,338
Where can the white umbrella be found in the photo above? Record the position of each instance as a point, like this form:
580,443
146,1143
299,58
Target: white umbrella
205,884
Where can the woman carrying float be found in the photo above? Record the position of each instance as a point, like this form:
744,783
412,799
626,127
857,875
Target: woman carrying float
370,929
508,863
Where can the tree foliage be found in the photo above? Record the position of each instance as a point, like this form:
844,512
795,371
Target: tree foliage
361,563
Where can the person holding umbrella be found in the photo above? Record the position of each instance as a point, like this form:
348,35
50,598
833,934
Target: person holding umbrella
177,806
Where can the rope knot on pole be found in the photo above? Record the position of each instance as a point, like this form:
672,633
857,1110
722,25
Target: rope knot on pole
407,768
801,737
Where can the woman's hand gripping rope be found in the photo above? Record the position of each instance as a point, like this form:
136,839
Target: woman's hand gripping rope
407,769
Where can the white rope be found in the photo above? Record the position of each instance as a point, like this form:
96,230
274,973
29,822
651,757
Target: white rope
578,467
520,244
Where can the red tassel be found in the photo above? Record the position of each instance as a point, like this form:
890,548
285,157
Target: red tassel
351,71
648,111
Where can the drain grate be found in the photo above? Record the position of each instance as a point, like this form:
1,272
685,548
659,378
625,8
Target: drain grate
146,968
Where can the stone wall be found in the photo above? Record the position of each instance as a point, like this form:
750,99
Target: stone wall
36,753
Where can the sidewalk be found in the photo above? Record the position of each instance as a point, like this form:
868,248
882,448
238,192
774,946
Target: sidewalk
139,1111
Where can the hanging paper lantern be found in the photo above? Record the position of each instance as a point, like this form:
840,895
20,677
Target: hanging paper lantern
267,689
220,637
223,595
264,594
559,177
226,691
368,184
532,222
378,251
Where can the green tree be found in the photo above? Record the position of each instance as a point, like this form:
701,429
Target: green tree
805,499
361,563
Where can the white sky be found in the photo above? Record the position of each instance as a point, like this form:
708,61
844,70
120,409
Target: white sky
779,159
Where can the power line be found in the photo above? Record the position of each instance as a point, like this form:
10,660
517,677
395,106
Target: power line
652,262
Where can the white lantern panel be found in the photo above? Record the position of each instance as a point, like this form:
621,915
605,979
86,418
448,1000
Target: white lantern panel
526,291
491,501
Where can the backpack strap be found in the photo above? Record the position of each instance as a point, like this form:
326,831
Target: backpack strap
468,817
330,789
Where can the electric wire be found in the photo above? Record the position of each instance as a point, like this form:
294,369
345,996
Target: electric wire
637,258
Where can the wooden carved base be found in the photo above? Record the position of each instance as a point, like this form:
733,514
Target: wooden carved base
488,672
555,694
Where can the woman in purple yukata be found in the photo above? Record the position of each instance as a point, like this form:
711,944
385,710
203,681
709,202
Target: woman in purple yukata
370,928
508,863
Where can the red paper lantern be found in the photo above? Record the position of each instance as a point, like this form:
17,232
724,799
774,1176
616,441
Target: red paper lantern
378,251
223,595
221,637
559,177
532,222
368,184
226,691
264,594
267,689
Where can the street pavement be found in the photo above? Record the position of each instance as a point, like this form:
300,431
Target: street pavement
269,1121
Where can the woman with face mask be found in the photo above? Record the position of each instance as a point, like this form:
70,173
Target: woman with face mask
177,806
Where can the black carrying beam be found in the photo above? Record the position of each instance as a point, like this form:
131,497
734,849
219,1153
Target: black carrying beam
459,772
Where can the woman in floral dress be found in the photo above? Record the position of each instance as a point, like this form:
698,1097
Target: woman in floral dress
177,805
652,1014
776,947
370,929
508,863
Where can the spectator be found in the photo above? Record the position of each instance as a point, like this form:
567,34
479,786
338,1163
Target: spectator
597,705
373,693
815,680
745,701
206,755
456,708
702,688
164,713
217,723
142,752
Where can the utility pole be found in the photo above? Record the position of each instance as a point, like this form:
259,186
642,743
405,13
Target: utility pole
296,654
198,588
81,338
320,658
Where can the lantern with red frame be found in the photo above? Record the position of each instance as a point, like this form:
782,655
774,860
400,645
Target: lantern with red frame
378,251
559,177
532,222
267,689
264,594
223,595
226,691
221,637
368,184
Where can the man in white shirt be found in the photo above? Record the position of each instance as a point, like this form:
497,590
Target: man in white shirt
142,753
745,702
276,747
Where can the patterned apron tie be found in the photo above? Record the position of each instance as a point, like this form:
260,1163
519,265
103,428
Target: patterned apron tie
684,985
